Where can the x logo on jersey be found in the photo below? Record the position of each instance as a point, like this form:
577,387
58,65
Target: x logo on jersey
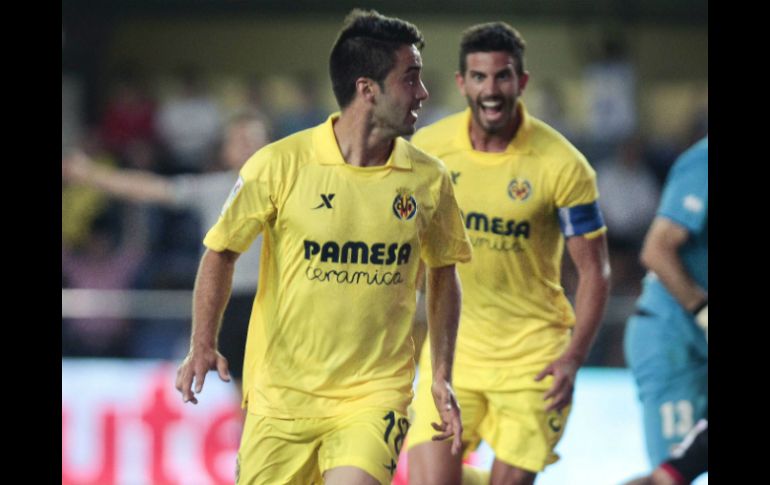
327,201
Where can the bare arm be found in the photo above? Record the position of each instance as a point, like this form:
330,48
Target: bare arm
592,262
133,185
660,254
444,301
212,291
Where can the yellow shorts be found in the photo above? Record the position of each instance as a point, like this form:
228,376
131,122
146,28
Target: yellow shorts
277,451
512,421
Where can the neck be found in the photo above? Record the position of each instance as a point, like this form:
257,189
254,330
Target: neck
361,143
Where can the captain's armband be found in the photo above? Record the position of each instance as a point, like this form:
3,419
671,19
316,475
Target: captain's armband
581,220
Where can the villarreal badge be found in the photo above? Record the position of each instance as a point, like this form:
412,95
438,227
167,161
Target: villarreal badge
404,205
519,189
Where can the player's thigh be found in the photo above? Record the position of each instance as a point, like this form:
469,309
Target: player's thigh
432,463
521,432
278,451
661,346
369,440
505,474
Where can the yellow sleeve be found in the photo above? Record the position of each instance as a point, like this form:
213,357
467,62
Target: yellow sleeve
252,204
576,184
445,241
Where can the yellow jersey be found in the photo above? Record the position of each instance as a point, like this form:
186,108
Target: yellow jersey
517,206
330,330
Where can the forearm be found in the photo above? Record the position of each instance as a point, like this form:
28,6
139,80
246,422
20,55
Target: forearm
590,301
134,185
591,258
667,266
443,302
212,291
660,254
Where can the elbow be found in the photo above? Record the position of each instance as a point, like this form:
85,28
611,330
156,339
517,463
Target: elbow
652,257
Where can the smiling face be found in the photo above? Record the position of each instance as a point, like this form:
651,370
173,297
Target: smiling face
398,101
492,86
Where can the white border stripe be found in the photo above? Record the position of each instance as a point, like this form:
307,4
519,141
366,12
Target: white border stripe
569,230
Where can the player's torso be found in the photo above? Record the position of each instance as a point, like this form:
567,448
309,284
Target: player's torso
509,212
511,289
346,246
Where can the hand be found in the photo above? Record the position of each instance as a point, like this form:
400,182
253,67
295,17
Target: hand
449,410
76,167
196,365
564,369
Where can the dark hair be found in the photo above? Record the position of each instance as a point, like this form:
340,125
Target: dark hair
491,37
365,47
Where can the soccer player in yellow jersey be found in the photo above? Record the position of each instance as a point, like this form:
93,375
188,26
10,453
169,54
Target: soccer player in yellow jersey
347,210
523,189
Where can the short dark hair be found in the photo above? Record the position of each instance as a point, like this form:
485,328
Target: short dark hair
366,47
491,37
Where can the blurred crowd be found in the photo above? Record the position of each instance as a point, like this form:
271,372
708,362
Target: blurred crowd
178,128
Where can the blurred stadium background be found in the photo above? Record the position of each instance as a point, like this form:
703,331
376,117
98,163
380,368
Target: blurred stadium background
625,81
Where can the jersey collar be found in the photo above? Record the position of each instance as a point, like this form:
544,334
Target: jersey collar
327,150
520,141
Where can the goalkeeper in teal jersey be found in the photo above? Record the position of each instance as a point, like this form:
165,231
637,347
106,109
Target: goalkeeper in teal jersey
666,339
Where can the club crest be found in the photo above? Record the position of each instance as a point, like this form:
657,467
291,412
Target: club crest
404,205
519,189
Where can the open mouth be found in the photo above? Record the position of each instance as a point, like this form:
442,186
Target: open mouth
492,108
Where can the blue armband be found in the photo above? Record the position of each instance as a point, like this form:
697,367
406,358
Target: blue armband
580,219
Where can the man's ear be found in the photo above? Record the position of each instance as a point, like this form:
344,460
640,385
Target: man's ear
523,80
366,88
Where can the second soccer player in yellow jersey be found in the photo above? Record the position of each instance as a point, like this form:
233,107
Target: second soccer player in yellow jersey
523,189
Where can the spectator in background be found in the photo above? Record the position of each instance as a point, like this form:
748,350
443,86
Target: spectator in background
129,115
81,206
610,90
308,110
629,196
102,262
189,123
553,108
204,194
